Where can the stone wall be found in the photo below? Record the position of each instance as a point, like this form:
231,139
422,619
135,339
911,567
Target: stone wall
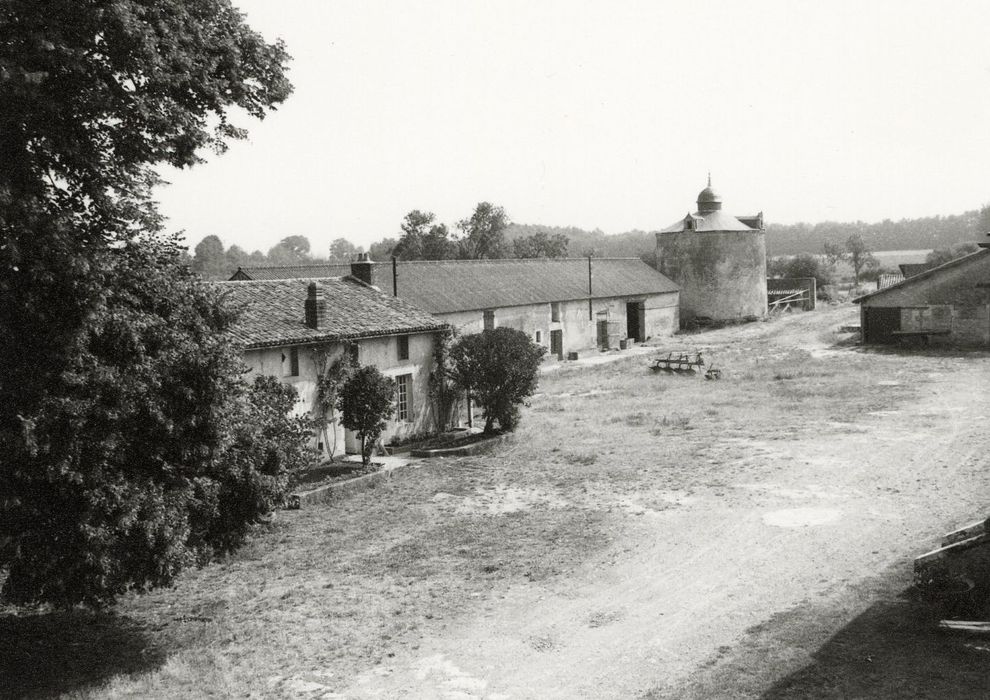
722,274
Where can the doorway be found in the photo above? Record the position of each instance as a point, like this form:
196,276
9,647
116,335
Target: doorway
636,320
557,344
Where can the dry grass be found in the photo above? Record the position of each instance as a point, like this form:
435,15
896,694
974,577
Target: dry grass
328,592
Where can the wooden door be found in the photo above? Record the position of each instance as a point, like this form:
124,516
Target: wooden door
557,344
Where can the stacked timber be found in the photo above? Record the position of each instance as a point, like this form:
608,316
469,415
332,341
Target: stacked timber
959,565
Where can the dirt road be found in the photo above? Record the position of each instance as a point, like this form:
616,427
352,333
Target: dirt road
774,514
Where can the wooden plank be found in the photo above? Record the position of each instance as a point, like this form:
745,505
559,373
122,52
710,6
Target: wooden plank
956,548
977,628
964,533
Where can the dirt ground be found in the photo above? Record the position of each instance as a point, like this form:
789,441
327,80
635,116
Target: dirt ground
642,536
776,522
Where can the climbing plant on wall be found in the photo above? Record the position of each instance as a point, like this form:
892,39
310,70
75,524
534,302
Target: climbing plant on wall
333,369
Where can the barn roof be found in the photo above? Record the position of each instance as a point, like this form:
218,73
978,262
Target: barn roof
282,272
447,286
273,312
927,274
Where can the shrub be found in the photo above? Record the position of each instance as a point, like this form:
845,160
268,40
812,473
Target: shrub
499,367
367,401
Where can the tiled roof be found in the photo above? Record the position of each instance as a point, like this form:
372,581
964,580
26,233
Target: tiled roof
283,272
710,221
274,312
927,274
912,269
447,286
887,278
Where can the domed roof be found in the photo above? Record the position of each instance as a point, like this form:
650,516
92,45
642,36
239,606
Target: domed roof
708,199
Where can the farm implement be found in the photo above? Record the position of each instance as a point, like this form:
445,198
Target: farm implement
686,364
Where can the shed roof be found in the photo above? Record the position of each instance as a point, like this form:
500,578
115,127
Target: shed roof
448,286
912,269
927,274
274,312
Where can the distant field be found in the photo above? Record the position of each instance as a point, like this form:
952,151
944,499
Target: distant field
890,258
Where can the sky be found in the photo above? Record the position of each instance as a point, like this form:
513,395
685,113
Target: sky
601,115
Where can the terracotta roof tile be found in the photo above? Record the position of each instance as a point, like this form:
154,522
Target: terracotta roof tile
274,312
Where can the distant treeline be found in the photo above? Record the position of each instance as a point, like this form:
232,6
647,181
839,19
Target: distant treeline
531,240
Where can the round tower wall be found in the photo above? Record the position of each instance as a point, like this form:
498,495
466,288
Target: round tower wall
722,274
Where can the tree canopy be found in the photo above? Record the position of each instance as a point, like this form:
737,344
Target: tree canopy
120,401
500,368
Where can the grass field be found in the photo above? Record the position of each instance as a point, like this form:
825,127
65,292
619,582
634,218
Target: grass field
337,599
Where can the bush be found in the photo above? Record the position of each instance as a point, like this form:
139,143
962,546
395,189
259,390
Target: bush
367,401
499,367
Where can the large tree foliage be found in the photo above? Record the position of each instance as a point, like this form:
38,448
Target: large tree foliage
106,423
152,454
500,369
940,256
367,401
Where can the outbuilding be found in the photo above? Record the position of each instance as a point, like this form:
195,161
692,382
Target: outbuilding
948,304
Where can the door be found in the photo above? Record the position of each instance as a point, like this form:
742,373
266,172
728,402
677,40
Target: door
557,344
879,322
603,335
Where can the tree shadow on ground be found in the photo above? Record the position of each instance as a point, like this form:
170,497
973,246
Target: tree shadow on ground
892,650
889,648
47,654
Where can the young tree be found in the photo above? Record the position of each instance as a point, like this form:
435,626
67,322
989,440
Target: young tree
367,401
859,256
112,382
500,368
483,234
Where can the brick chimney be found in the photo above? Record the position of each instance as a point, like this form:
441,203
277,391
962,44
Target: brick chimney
316,307
362,267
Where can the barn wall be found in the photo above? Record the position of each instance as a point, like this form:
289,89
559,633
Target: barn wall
722,274
579,332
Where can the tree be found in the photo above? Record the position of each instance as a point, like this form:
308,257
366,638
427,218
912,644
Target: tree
154,454
541,245
805,266
367,401
382,250
209,259
834,253
93,95
342,250
499,368
292,250
859,256
943,255
423,239
483,234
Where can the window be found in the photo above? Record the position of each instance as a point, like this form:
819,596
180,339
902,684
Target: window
403,347
292,370
489,319
539,337
555,312
403,396
353,351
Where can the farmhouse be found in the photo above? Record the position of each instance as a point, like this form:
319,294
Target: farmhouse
294,328
566,304
949,304
718,260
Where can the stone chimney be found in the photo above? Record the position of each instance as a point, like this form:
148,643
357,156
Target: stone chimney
361,268
316,307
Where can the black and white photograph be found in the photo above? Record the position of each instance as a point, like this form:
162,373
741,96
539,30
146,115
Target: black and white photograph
494,349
